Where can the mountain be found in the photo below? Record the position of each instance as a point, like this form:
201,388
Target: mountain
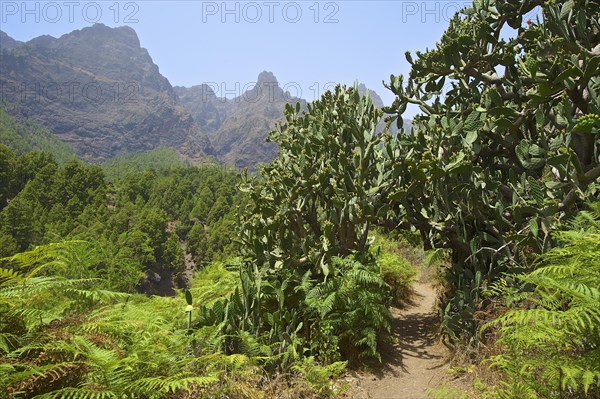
7,42
239,126
241,138
208,110
98,90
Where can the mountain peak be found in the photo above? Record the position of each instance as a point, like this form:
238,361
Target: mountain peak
7,42
266,89
266,77
363,89
100,32
41,42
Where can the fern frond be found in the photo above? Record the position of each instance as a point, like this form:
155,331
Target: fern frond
554,342
10,276
172,384
79,393
55,255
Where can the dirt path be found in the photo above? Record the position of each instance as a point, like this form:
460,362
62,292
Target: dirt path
414,361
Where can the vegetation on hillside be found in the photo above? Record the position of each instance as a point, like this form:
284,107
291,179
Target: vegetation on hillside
26,135
94,339
118,168
143,223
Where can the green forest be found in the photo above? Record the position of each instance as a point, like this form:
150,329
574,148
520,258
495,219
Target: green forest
146,277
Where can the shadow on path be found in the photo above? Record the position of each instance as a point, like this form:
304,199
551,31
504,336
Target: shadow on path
413,357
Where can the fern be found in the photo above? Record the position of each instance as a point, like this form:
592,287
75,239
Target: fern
552,346
213,282
63,338
54,255
353,304
161,385
318,376
9,276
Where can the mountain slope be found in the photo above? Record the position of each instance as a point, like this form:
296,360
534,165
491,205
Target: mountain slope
26,135
99,91
238,127
208,110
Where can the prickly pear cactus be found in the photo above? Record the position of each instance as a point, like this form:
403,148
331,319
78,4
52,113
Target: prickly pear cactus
318,199
511,150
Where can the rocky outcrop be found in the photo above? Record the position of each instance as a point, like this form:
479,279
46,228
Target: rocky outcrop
98,90
208,110
239,126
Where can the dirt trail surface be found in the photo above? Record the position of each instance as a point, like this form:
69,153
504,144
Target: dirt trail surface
414,361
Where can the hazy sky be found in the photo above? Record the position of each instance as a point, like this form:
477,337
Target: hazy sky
308,45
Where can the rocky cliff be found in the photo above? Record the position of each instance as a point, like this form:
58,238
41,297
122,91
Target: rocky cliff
98,90
239,126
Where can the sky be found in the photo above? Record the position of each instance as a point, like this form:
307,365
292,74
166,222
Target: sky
308,45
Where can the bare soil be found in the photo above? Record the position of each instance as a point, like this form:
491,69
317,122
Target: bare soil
414,360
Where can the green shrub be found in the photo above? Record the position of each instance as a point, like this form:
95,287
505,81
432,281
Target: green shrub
319,377
396,269
505,147
214,282
307,271
353,306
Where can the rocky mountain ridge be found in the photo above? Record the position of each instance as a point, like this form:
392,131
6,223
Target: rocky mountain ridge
239,126
98,90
